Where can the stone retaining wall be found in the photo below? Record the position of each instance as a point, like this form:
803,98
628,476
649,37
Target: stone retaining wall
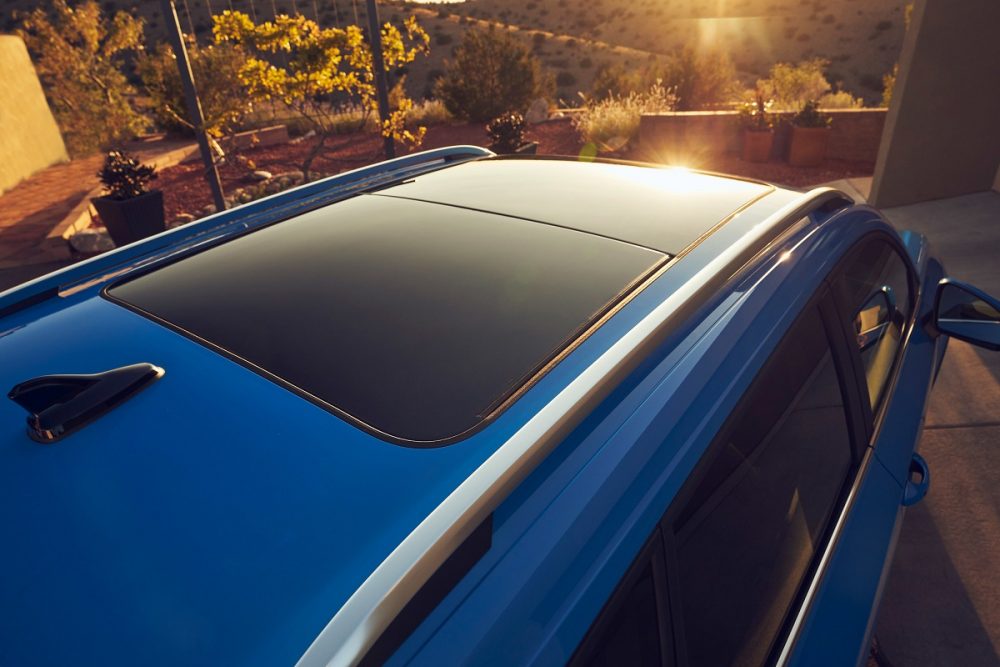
685,136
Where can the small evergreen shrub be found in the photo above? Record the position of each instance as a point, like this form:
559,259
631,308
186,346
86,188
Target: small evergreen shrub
506,132
123,177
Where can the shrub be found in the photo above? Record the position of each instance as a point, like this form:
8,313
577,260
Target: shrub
810,116
616,81
78,54
506,132
491,73
612,122
791,86
565,79
428,112
699,79
216,68
888,84
755,113
123,177
840,99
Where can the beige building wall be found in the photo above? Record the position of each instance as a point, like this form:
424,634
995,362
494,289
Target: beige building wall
29,136
942,132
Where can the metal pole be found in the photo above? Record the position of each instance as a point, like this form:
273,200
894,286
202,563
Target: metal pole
378,65
193,104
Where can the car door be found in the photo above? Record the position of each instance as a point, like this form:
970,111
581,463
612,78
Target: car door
879,308
747,536
775,549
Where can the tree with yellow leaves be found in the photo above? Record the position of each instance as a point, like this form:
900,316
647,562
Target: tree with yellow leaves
292,60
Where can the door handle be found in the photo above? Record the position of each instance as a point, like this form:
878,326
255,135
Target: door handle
916,489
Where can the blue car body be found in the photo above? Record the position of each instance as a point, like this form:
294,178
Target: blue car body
218,517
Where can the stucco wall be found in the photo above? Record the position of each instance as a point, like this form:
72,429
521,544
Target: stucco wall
942,135
686,136
29,137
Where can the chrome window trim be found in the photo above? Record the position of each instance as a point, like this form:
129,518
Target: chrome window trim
866,462
362,619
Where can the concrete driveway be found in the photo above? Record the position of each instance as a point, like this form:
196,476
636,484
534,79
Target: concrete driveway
942,601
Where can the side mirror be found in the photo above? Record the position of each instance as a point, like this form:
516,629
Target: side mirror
966,313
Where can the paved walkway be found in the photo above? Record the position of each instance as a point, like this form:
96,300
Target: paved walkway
31,209
942,600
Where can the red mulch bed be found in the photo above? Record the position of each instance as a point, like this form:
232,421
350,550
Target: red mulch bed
185,190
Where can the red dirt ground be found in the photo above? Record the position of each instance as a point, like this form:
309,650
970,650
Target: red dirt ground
185,190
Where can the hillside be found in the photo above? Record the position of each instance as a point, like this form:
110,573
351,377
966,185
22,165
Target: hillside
861,38
575,38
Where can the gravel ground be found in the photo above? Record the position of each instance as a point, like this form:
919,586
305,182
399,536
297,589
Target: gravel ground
185,190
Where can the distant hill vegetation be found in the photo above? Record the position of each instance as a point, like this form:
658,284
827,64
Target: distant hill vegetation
576,38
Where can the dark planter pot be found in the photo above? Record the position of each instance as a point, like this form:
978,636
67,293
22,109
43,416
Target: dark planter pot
529,148
129,220
757,145
808,147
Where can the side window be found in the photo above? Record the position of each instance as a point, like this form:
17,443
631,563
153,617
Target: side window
743,539
874,288
631,628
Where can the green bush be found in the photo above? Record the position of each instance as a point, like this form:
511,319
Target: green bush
616,81
565,79
840,99
613,122
791,86
491,73
700,79
78,53
428,112
216,69
888,84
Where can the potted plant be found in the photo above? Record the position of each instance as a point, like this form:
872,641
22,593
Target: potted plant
128,209
810,136
758,129
506,133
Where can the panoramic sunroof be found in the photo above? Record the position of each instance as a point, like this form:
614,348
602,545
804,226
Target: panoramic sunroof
412,319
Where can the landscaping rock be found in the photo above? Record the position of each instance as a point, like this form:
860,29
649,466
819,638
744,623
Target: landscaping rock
538,111
260,175
91,241
182,219
208,210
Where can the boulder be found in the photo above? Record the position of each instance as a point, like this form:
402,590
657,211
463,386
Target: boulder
538,111
91,241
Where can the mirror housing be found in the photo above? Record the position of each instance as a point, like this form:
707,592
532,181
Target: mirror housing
967,313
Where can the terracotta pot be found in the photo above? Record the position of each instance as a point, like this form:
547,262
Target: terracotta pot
757,145
808,147
129,220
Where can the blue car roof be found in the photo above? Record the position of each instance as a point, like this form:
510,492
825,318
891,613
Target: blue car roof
218,517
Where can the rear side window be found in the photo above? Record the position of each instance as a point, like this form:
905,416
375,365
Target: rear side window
414,320
633,627
874,286
743,541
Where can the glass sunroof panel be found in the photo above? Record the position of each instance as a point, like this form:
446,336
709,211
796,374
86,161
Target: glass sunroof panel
412,319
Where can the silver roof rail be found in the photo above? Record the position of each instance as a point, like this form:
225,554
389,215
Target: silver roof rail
368,612
260,212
